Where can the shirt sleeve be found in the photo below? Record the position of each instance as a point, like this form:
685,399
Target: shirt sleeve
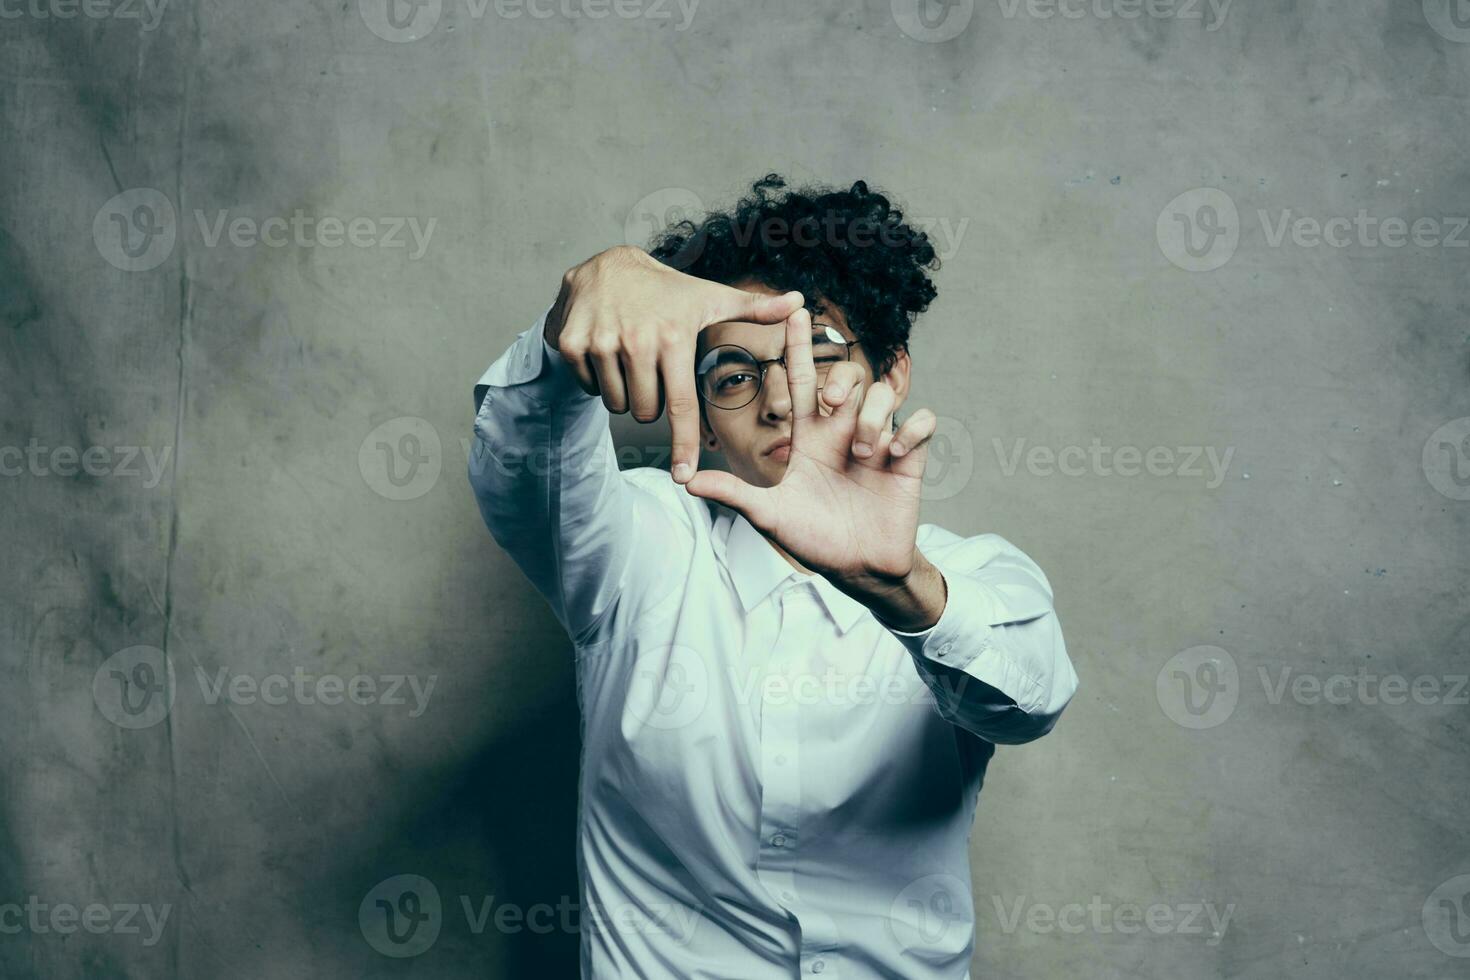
995,660
545,475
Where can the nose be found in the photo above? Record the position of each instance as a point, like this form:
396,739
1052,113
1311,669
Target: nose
775,399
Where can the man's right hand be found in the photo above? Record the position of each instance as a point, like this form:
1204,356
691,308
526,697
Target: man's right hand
626,324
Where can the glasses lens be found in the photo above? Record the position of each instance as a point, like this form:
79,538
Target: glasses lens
729,377
828,348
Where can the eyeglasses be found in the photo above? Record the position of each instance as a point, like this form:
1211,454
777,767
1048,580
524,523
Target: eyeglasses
731,377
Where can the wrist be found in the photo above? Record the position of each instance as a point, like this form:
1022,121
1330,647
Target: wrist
910,603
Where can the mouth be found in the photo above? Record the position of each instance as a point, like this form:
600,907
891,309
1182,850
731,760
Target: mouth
779,450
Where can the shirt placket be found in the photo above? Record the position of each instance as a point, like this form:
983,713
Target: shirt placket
780,861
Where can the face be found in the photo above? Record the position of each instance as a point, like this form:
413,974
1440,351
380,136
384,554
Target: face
751,437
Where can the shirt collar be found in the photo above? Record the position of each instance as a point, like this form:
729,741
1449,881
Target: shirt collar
757,568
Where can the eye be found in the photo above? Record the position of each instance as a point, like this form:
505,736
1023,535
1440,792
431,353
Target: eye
732,381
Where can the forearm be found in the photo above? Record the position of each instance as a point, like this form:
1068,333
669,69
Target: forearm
994,656
546,480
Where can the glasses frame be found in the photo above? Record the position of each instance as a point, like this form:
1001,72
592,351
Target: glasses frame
761,366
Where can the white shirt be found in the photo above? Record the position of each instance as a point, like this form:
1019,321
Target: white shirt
772,782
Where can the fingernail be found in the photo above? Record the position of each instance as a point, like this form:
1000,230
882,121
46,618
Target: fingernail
681,472
862,449
897,448
835,392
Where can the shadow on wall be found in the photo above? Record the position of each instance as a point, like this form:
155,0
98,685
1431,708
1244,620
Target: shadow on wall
498,835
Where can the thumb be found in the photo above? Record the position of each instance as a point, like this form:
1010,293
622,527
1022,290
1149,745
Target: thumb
728,303
735,493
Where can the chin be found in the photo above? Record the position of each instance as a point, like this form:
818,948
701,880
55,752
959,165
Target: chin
771,472
760,472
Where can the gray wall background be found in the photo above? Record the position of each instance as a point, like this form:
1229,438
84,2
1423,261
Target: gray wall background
300,390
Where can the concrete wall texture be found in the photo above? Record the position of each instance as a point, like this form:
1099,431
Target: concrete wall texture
1200,348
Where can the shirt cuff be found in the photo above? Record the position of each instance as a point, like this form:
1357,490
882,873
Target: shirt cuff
963,630
530,360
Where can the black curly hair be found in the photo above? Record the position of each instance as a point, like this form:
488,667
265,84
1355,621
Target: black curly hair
848,248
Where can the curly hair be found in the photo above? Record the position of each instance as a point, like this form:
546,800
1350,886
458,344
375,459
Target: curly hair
849,248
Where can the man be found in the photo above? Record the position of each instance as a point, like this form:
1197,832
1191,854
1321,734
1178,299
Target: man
789,689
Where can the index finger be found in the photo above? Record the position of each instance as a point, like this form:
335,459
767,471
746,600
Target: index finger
801,373
676,368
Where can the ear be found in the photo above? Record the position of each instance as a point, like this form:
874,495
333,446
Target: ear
898,376
707,437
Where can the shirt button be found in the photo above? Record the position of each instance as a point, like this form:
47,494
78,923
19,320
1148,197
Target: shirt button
787,897
779,840
818,966
946,648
